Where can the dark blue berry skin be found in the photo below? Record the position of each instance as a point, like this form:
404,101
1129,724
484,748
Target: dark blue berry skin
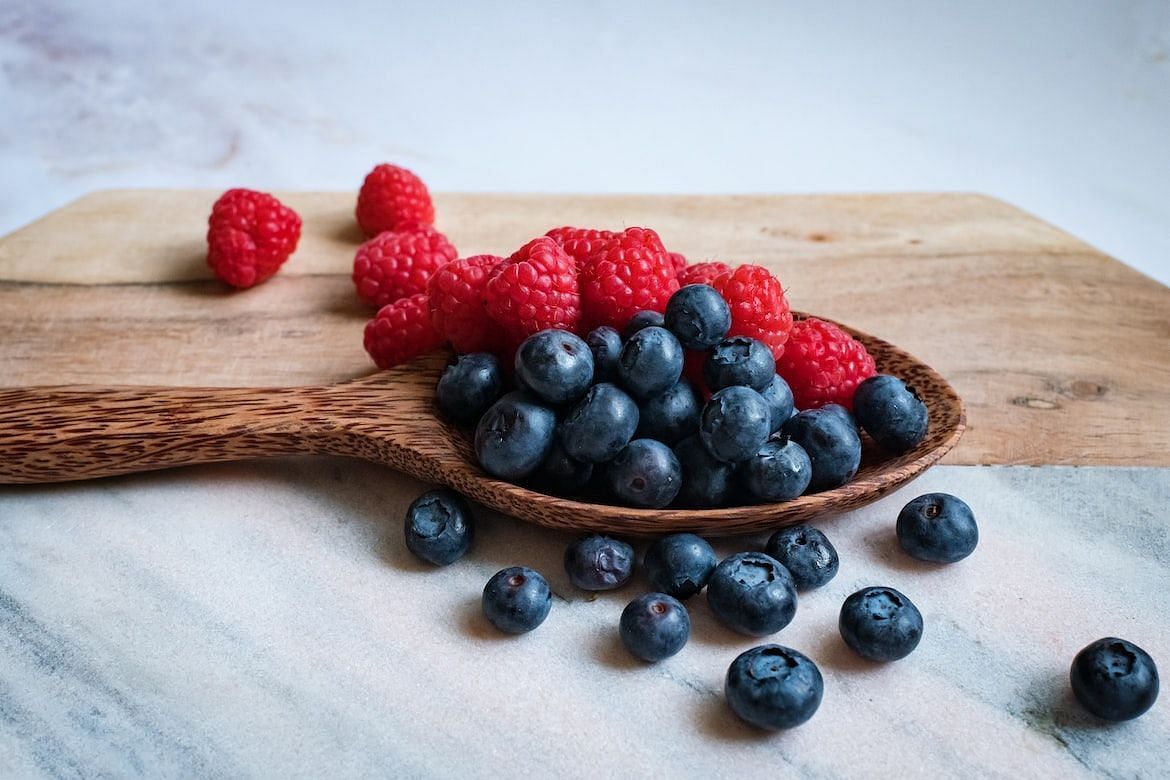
651,362
606,345
880,624
468,387
735,423
561,474
780,471
774,687
807,553
891,413
600,425
937,527
707,480
439,527
654,626
679,565
752,593
670,416
556,365
643,319
830,438
645,474
514,436
599,562
516,600
779,397
698,316
1114,679
739,361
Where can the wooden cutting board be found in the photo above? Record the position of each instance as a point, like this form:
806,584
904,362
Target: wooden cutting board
1061,353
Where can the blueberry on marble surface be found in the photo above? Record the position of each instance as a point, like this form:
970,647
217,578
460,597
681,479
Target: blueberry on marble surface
597,428
829,436
1114,679
561,474
698,316
606,345
555,365
780,404
679,564
937,527
651,362
641,320
739,361
706,480
670,416
779,471
468,386
891,413
734,424
752,593
516,599
880,624
598,562
807,553
645,474
774,687
439,527
514,436
654,626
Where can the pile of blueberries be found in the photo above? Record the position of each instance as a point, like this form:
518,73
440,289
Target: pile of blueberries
617,416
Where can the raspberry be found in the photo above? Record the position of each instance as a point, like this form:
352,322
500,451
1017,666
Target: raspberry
401,330
678,261
629,273
823,364
457,305
534,289
249,236
396,265
580,243
759,309
393,198
702,273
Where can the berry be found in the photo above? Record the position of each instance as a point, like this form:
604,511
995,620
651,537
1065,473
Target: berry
651,362
606,345
629,273
706,479
561,474
807,553
580,243
249,236
468,387
643,319
679,565
752,594
774,687
400,332
599,562
646,474
702,273
880,624
516,599
891,413
600,425
457,309
654,626
439,527
698,316
759,309
556,365
395,265
937,527
779,398
830,438
823,364
780,471
739,361
1114,679
514,436
735,423
534,289
670,416
393,198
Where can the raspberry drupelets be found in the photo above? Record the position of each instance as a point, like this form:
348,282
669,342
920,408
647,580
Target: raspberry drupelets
456,293
629,273
395,265
534,289
678,261
393,198
702,273
759,309
249,236
823,364
401,331
580,243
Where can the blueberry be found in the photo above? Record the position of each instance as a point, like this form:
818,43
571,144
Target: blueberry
513,436
774,687
556,365
706,479
643,319
891,413
646,474
1114,679
937,527
779,397
779,471
739,361
807,553
516,600
606,345
599,562
651,362
698,316
468,387
561,474
880,624
830,438
670,416
679,565
735,423
752,593
600,425
439,527
654,626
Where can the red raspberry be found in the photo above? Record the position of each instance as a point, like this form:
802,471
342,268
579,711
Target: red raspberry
678,261
534,289
457,307
401,331
823,364
249,236
759,309
702,273
393,198
629,273
693,360
580,243
395,265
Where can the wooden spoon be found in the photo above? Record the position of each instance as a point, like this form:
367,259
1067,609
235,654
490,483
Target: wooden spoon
57,434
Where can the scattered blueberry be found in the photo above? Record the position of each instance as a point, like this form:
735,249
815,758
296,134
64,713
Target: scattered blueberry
891,413
643,319
645,474
739,361
937,527
1114,679
654,626
830,438
468,387
516,600
779,471
706,480
752,593
561,474
774,687
599,562
880,624
780,404
807,553
513,436
600,425
698,316
606,345
439,527
651,362
735,423
679,565
670,416
556,365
